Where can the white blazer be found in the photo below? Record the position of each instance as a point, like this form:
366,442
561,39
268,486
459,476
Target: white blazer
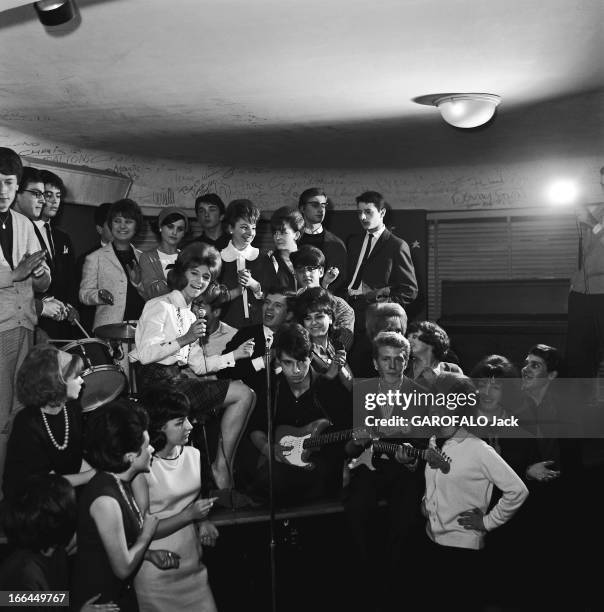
103,270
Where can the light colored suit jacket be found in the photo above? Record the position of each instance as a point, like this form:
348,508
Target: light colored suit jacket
103,270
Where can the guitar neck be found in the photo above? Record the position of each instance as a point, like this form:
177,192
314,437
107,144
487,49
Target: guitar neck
328,438
390,448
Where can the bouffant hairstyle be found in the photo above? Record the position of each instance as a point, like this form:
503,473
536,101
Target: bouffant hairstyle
163,403
242,209
494,366
305,196
114,430
376,315
307,255
128,209
286,216
43,515
456,387
393,340
10,163
210,198
194,255
314,299
40,380
432,334
294,340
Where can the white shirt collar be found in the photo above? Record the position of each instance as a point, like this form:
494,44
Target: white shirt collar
230,253
221,330
376,235
315,231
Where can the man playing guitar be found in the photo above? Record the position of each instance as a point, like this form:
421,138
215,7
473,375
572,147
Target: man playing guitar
302,397
390,476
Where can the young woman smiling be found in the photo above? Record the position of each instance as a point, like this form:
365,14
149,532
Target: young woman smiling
314,309
111,277
168,350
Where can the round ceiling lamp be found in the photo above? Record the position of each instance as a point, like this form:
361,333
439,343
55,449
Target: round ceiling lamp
54,12
467,110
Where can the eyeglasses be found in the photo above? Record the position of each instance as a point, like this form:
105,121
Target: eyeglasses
49,194
39,195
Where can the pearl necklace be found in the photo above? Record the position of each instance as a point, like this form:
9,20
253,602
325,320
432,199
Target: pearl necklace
6,216
130,502
58,446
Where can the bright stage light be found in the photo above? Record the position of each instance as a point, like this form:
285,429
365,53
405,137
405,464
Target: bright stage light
563,192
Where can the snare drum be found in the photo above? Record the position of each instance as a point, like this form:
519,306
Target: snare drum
103,379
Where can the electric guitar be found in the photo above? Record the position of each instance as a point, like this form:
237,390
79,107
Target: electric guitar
432,455
297,443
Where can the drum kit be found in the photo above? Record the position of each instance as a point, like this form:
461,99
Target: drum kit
105,374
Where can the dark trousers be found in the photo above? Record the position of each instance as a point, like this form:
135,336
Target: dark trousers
382,536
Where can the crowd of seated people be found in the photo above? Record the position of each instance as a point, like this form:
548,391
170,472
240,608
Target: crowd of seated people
244,344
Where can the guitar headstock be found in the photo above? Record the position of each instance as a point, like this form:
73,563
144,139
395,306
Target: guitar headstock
438,459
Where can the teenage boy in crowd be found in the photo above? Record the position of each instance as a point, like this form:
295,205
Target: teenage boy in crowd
22,271
313,206
380,262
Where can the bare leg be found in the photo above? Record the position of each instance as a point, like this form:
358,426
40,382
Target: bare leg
238,405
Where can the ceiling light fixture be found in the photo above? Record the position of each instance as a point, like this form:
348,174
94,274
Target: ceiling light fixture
54,12
467,110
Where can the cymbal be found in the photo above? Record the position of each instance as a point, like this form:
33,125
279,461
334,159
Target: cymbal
117,331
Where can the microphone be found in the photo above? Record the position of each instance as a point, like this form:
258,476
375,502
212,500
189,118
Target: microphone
200,314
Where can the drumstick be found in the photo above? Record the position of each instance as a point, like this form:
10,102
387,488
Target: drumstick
81,328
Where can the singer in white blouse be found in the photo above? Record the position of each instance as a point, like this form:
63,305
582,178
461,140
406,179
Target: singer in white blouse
165,336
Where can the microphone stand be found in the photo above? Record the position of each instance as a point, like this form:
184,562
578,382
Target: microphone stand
271,455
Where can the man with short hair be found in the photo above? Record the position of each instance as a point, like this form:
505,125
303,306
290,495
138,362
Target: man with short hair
309,266
381,316
61,257
313,206
29,201
302,397
210,211
22,271
376,476
380,262
548,463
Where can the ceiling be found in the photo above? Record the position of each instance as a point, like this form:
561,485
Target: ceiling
303,83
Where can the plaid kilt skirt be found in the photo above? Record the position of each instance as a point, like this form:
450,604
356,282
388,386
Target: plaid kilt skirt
205,396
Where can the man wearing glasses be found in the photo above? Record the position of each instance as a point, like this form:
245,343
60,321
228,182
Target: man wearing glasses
61,258
313,205
30,201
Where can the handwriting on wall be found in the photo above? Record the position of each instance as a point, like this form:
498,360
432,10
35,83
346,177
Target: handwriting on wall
160,183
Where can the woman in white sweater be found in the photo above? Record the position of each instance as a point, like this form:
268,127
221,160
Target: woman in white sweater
456,503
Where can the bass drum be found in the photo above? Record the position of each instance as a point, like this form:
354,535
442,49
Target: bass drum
103,379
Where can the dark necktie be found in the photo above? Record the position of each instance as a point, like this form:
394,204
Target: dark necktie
51,244
357,280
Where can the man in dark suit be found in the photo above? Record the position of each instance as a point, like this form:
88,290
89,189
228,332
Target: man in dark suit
29,201
61,258
252,371
380,268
